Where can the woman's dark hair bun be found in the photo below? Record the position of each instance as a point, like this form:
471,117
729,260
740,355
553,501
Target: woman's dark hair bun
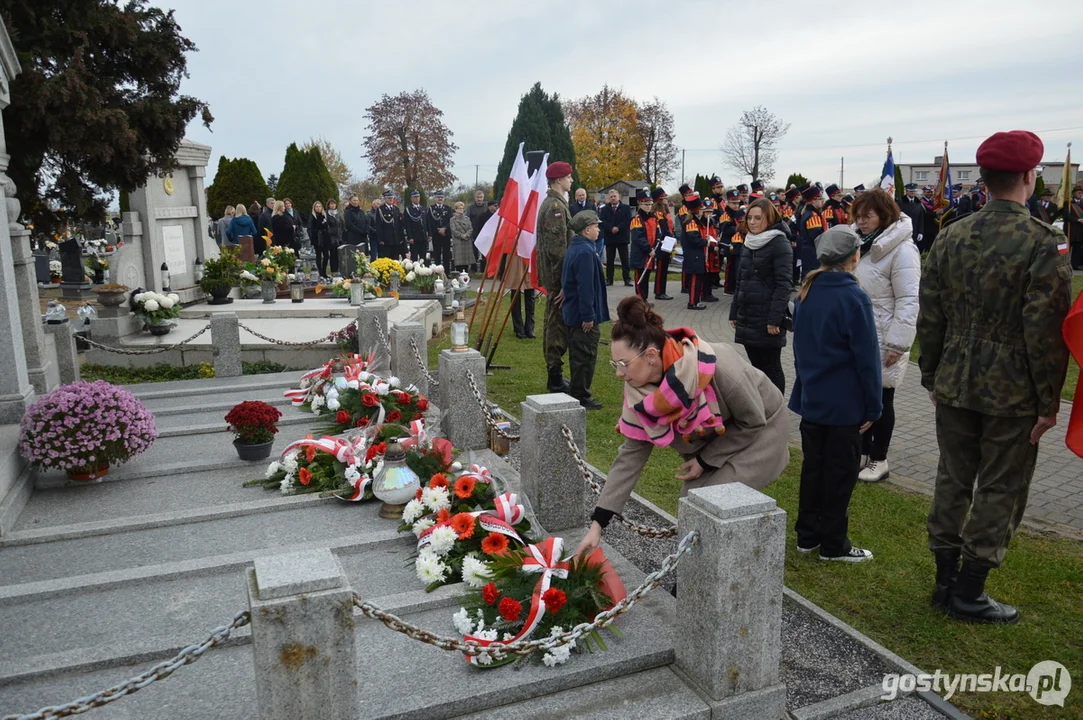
638,323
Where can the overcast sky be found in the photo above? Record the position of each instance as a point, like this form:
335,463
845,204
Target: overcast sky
845,76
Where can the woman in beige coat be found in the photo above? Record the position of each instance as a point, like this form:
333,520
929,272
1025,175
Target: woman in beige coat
725,418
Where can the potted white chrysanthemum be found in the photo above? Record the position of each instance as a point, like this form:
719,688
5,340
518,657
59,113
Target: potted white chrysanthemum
156,310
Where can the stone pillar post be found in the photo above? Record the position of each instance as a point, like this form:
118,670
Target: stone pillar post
462,420
404,365
303,637
226,341
550,476
368,335
67,357
16,392
26,285
734,573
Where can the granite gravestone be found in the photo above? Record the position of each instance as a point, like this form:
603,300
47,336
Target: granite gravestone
73,275
346,262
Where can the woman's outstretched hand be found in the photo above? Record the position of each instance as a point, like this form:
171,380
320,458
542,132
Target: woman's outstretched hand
689,470
591,540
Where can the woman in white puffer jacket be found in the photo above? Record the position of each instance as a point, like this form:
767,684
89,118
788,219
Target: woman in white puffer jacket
890,273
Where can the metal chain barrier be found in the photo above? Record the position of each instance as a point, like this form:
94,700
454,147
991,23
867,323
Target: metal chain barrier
499,651
159,672
492,422
588,475
433,382
326,338
152,351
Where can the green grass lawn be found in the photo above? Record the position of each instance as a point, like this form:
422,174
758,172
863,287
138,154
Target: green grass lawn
886,599
1072,379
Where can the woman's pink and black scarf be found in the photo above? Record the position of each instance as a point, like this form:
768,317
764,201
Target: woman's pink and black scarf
683,404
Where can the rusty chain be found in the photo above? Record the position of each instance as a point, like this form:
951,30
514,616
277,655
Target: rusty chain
499,651
588,475
381,335
326,338
159,672
492,422
152,351
433,382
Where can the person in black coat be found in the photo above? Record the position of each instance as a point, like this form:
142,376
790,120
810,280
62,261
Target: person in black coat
581,202
615,218
760,307
912,207
336,229
282,226
356,225
388,229
298,225
438,227
319,234
413,223
263,223
694,244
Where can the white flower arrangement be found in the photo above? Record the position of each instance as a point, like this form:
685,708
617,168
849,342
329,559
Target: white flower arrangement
475,571
272,469
55,268
422,525
411,276
436,498
156,306
442,539
429,568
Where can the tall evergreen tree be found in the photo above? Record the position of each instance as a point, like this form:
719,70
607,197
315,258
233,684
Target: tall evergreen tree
540,124
237,180
305,179
795,179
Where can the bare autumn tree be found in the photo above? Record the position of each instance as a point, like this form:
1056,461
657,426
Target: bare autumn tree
659,153
751,146
408,144
605,133
332,158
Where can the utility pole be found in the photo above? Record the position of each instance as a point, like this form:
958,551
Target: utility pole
476,176
842,173
682,165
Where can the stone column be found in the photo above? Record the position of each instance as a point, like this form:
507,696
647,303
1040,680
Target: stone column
67,356
303,637
550,476
226,341
368,335
404,365
462,420
734,573
26,285
16,392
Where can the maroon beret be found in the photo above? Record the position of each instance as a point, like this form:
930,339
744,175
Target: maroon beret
1012,152
558,170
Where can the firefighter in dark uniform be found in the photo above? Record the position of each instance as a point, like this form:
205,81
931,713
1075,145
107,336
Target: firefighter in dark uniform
1073,224
742,189
413,222
995,290
833,212
913,208
712,253
1044,209
438,227
642,236
682,217
664,221
810,226
789,216
554,235
695,246
758,189
727,232
718,191
387,229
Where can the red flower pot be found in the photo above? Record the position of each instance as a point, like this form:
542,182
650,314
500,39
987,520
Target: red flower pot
89,476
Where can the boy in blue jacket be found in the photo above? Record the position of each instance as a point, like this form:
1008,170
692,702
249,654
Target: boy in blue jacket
837,392
585,306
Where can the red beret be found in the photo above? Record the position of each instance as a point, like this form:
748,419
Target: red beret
558,170
1012,152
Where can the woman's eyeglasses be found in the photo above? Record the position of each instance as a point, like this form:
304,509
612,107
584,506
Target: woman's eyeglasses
619,365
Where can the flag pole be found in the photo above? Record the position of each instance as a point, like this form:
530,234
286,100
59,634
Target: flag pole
491,316
504,325
484,276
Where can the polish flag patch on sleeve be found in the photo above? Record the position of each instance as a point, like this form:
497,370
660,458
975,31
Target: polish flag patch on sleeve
1062,248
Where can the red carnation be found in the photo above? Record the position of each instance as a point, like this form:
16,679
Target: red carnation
342,417
394,416
510,609
489,593
370,400
554,599
422,404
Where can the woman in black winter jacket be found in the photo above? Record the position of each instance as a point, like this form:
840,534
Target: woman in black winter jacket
764,284
319,234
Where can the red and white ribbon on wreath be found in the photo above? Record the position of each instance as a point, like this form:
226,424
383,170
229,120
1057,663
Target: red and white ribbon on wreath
418,436
353,366
543,558
508,508
481,472
488,522
347,452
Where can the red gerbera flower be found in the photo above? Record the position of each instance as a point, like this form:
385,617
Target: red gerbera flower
494,544
510,608
443,517
554,599
310,453
463,523
418,495
464,487
304,476
438,480
490,593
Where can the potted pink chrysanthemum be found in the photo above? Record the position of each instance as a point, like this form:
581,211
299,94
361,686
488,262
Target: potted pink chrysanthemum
85,427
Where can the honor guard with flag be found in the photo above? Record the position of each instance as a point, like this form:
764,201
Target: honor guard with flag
438,227
413,222
810,226
664,221
388,230
995,291
554,235
833,212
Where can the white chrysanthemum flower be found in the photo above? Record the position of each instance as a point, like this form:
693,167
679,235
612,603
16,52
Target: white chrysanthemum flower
365,376
413,510
443,539
290,461
139,297
439,269
508,637
422,525
484,658
436,499
166,303
273,468
352,474
430,569
284,486
150,305
490,635
462,622
407,265
475,572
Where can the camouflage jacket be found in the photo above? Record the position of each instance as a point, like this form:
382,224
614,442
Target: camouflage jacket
995,289
554,235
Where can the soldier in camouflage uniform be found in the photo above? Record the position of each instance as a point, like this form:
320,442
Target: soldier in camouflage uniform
994,293
554,235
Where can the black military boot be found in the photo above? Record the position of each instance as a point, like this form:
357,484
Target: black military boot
557,383
947,570
969,603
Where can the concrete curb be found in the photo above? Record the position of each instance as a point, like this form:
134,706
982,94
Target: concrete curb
862,697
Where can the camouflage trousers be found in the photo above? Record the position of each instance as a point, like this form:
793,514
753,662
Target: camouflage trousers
554,335
986,464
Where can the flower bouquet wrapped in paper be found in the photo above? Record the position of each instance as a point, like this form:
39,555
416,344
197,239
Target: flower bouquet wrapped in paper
336,375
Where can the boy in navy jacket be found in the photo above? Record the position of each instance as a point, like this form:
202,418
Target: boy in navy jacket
837,392
585,305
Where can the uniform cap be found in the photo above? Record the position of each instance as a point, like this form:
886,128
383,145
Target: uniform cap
773,197
847,200
911,186
388,194
743,188
1047,193
558,170
708,203
1012,152
837,244
693,201
438,193
684,190
809,192
792,194
583,219
414,194
833,190
658,193
733,193
642,195
494,203
757,185
859,188
716,181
